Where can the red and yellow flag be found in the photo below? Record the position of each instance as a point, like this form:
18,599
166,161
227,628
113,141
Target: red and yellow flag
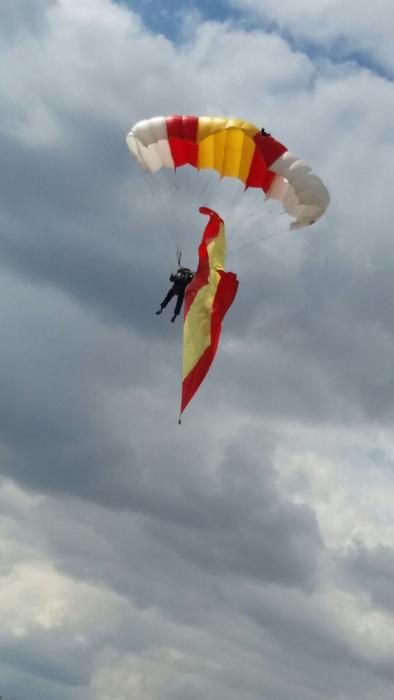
207,300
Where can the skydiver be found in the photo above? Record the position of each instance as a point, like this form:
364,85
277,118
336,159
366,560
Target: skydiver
180,280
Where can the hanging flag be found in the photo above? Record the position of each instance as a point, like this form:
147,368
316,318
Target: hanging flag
207,300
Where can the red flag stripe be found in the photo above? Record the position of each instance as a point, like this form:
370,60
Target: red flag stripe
212,230
224,297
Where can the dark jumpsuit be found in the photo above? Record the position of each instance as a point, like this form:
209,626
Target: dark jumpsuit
180,281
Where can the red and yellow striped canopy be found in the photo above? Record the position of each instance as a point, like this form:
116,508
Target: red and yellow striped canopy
234,148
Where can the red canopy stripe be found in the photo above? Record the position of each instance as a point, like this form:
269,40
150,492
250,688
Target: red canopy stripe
267,152
182,137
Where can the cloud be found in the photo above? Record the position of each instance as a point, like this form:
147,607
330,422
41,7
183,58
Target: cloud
372,570
346,29
218,558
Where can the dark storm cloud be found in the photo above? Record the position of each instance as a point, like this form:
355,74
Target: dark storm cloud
59,227
291,630
48,658
56,440
233,521
56,368
330,318
236,522
372,570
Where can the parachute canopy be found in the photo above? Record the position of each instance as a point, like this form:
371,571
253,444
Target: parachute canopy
236,149
207,300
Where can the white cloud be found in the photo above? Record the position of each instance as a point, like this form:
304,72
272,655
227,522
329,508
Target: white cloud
144,559
334,22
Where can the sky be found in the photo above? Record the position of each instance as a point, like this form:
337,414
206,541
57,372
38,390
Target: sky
247,554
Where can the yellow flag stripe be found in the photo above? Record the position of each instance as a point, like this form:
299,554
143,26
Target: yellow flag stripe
217,250
197,324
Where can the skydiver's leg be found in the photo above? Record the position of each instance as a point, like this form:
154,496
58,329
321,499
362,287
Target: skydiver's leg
178,305
166,300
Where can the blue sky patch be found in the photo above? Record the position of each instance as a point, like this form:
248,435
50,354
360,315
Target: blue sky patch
167,17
